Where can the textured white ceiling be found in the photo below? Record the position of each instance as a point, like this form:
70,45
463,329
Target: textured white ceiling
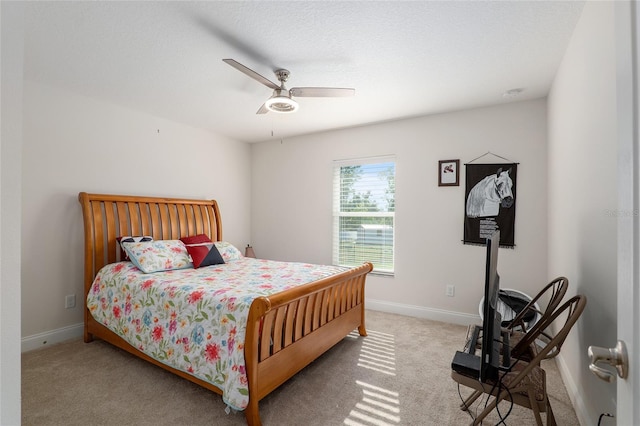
404,59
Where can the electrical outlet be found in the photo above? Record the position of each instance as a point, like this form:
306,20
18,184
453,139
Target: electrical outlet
70,301
451,290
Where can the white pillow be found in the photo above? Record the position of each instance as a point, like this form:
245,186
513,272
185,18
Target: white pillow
130,239
228,251
160,255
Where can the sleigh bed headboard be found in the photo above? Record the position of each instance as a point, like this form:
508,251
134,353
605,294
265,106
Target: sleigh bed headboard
107,217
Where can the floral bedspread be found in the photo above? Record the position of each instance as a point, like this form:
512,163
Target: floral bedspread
194,319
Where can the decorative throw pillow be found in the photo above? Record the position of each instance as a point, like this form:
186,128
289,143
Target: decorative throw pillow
202,250
130,239
155,256
228,251
204,254
196,239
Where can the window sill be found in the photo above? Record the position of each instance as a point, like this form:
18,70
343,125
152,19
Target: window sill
382,274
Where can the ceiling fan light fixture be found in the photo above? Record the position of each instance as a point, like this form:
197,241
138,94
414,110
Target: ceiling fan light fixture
282,104
281,101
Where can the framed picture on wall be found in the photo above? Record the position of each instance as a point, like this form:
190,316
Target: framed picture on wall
449,173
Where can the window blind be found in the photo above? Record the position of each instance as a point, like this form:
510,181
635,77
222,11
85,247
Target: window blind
364,212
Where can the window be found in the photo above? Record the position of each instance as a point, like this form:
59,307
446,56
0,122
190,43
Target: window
364,212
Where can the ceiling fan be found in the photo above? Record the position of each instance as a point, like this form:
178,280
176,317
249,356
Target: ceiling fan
282,98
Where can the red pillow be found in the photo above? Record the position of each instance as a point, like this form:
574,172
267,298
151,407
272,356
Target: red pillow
202,250
196,239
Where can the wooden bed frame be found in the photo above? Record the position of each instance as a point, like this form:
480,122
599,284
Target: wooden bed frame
298,324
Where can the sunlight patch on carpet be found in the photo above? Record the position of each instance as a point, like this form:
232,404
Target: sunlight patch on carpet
379,406
378,353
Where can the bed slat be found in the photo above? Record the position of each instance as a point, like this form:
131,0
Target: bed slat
300,318
349,298
182,221
134,218
288,327
308,314
265,341
173,220
277,329
317,310
156,226
191,221
204,214
341,305
123,219
333,294
164,221
198,220
287,337
324,307
98,236
111,231
145,219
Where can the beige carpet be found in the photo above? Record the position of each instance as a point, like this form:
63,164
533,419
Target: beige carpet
398,375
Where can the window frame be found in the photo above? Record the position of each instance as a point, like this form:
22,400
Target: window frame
337,214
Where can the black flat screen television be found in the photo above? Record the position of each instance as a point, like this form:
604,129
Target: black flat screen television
491,321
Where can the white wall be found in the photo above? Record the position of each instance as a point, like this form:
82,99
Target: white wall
583,198
72,144
292,204
12,41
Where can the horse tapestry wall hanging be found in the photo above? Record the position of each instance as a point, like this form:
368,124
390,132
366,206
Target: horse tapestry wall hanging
490,202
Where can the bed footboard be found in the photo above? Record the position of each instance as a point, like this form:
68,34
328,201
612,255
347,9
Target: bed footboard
287,331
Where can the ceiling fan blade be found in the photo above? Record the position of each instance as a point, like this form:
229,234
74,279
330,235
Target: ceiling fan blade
322,92
251,73
263,110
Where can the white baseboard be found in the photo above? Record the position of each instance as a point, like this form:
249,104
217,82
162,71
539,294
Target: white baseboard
47,338
422,312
